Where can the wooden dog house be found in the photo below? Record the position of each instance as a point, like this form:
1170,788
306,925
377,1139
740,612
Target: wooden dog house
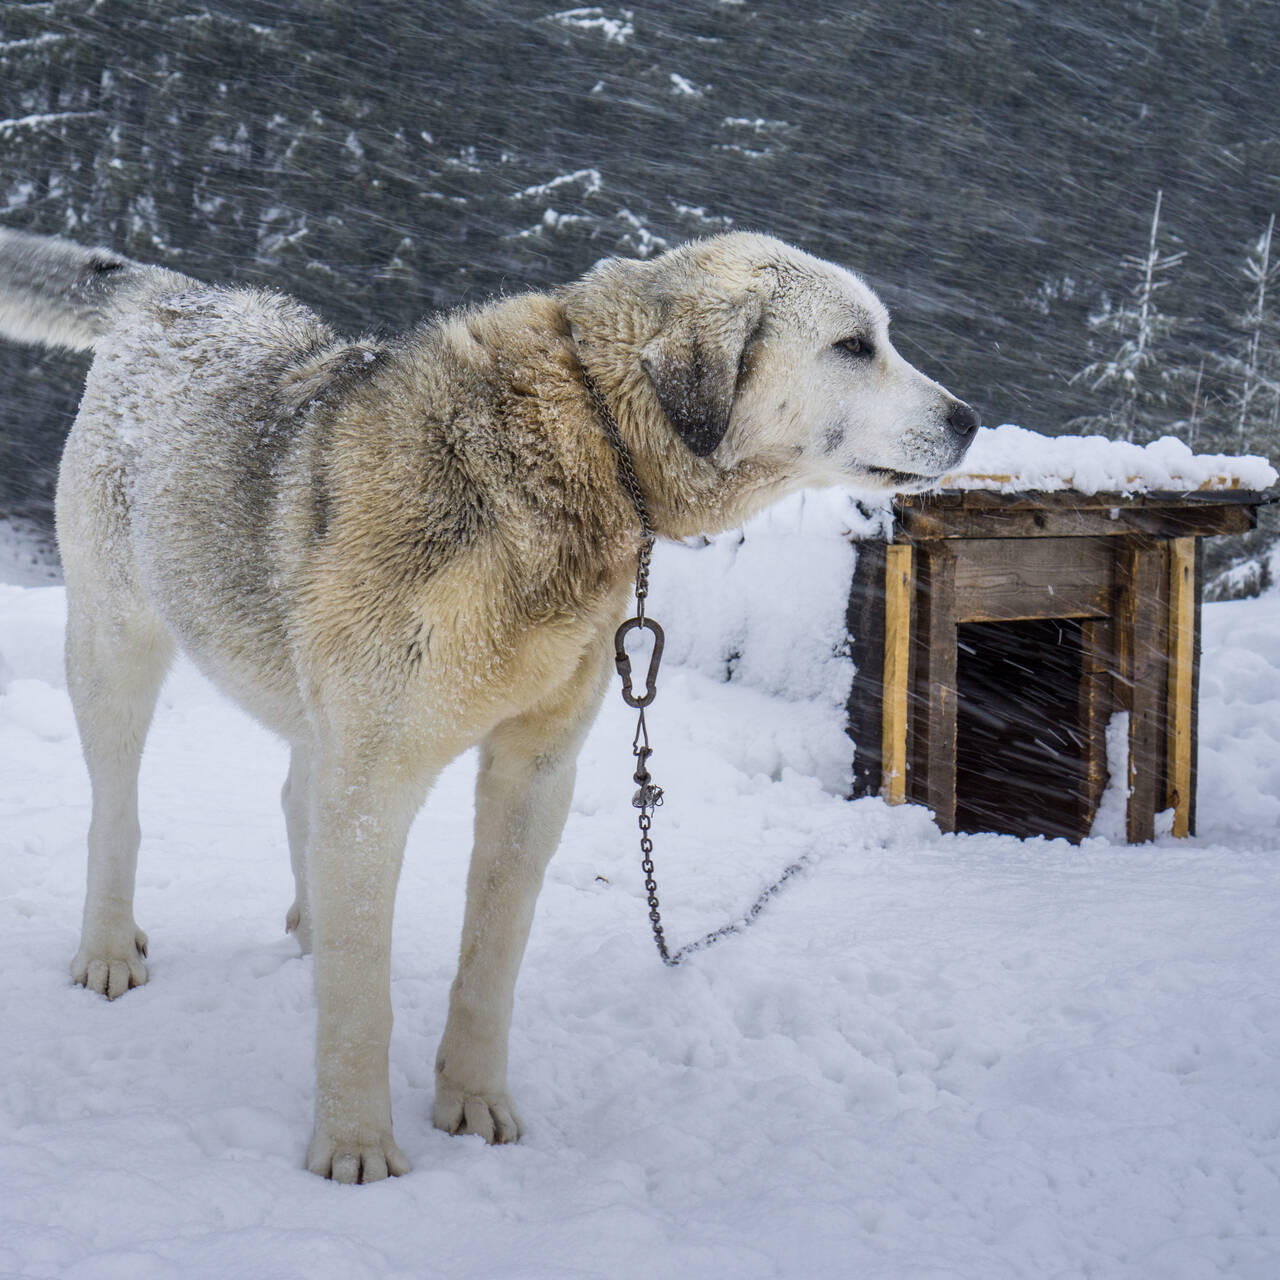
997,633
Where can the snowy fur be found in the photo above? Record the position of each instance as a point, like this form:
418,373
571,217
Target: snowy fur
390,553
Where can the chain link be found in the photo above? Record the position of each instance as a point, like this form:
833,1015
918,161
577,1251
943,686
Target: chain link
648,796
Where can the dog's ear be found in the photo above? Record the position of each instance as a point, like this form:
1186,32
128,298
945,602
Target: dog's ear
694,365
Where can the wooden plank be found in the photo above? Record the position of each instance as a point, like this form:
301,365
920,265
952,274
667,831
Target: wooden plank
899,588
933,750
1188,522
1181,664
1097,659
1195,690
865,624
1124,516
1072,499
995,481
1007,580
1142,579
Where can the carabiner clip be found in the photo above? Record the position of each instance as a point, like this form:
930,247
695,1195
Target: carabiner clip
622,660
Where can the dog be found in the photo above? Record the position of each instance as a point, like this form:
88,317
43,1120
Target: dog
391,551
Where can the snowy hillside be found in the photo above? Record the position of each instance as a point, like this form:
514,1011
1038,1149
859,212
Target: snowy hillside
964,1057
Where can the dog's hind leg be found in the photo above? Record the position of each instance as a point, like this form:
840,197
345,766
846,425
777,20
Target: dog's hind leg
118,651
296,801
523,791
117,654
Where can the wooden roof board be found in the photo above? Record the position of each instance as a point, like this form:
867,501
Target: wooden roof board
994,513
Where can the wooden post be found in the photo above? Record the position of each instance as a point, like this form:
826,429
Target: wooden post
1195,689
1143,597
1097,645
934,740
899,587
1182,636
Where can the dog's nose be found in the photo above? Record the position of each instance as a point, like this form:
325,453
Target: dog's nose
963,422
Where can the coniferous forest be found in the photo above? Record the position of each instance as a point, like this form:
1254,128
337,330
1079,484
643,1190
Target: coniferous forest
1068,207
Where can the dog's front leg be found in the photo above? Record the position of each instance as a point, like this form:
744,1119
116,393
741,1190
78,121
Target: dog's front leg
360,816
523,791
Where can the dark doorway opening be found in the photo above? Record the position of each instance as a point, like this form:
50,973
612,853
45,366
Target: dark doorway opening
1020,753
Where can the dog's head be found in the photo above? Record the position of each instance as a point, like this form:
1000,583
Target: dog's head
754,350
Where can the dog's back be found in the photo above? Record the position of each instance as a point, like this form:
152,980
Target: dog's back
185,396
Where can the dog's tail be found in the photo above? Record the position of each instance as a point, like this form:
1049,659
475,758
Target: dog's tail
58,293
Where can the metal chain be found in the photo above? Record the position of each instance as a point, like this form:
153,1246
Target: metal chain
648,796
628,476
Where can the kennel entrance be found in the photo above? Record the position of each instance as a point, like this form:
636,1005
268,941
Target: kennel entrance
1021,758
995,636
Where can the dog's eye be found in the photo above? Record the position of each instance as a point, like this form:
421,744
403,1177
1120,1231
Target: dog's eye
860,347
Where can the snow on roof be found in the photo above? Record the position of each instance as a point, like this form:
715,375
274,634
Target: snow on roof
1013,459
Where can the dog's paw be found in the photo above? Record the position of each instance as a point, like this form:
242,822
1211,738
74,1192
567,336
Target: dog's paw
111,970
492,1116
364,1158
297,921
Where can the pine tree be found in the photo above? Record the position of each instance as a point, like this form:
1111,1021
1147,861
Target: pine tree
1138,376
1197,408
1254,397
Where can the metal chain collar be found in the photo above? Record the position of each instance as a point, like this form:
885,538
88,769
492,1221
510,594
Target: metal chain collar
648,795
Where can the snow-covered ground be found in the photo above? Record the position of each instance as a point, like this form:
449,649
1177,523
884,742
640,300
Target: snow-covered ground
964,1057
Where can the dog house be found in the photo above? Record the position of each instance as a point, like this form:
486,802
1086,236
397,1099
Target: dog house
998,635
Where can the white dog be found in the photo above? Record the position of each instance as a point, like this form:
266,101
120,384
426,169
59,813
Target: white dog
391,552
